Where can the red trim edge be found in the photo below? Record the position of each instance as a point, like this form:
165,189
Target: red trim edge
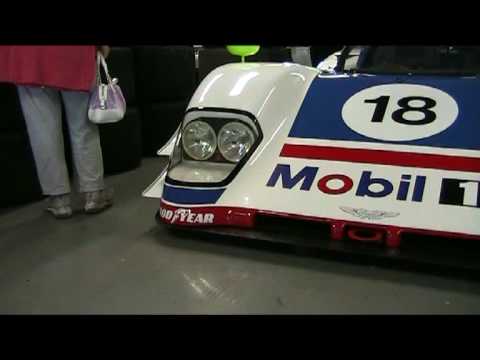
245,218
383,157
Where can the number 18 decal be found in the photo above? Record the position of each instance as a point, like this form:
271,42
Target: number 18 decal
399,112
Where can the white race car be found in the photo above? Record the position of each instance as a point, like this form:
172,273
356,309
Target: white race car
377,144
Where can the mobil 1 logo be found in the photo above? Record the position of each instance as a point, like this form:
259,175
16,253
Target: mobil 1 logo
400,112
460,192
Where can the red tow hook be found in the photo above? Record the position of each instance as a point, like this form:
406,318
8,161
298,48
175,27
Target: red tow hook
365,234
342,229
391,236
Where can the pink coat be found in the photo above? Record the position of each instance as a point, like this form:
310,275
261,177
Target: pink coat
61,67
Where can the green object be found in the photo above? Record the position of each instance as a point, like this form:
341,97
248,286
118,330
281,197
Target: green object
243,50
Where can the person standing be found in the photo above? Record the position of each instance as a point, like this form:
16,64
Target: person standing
45,76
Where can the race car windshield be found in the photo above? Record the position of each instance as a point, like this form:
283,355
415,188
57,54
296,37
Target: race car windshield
442,60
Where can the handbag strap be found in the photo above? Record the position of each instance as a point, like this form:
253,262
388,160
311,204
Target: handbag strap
101,61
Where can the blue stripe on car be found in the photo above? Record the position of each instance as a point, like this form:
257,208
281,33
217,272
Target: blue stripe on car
320,116
191,196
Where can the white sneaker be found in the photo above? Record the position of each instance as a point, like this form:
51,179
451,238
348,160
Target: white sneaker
97,201
59,206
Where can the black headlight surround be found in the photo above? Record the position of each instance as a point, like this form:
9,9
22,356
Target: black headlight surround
217,123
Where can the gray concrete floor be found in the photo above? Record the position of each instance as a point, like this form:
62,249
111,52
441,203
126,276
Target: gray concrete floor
121,261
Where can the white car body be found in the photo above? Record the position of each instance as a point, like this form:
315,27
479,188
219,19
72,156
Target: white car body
274,95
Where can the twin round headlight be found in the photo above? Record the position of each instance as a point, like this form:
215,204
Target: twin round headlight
200,141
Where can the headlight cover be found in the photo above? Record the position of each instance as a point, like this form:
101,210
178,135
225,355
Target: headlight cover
234,140
197,160
199,140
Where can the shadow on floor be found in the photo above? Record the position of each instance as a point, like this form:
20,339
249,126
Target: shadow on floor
286,255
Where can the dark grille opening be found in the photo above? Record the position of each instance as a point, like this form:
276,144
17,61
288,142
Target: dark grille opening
308,232
305,230
440,245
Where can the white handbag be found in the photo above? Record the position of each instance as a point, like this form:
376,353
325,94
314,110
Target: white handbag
107,103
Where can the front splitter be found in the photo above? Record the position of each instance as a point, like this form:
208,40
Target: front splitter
457,258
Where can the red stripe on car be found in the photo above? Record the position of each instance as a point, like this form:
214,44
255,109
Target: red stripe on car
384,157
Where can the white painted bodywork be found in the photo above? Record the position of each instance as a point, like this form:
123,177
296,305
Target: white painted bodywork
273,93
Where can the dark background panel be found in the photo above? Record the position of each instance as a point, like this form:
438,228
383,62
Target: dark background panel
163,120
164,73
122,143
18,180
121,66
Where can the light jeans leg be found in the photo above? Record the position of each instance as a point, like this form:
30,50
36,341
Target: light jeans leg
43,116
85,140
